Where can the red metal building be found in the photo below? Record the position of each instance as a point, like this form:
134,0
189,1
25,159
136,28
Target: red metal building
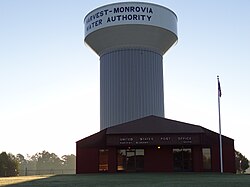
154,144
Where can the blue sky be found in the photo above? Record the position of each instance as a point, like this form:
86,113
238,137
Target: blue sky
49,79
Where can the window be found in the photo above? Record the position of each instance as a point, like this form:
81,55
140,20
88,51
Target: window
206,153
103,160
130,159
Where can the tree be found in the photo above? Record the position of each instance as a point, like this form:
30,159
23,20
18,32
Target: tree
22,164
8,165
69,162
48,161
241,162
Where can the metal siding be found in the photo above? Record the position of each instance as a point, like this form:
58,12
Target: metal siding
131,86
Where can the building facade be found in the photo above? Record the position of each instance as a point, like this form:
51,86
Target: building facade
154,144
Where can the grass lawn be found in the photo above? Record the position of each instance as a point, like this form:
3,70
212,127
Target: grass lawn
132,179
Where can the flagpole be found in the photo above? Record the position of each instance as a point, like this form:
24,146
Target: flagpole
219,95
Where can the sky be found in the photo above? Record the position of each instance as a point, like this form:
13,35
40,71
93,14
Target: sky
49,79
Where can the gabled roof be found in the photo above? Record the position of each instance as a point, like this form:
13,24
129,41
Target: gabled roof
151,125
154,125
97,139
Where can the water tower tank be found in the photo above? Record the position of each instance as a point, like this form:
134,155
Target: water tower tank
131,39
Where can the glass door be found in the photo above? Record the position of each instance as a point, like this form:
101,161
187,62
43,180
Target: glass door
131,163
182,159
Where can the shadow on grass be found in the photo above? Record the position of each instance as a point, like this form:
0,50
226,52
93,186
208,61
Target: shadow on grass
141,179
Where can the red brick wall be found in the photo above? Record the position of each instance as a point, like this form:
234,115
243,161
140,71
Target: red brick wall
229,158
197,159
112,160
215,152
170,162
87,160
158,160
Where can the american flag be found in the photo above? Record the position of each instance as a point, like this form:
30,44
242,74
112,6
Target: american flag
219,88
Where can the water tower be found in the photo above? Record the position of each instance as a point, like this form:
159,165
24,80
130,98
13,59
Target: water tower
131,39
